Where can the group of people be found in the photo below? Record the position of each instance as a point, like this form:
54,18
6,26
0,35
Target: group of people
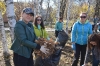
96,24
85,41
26,33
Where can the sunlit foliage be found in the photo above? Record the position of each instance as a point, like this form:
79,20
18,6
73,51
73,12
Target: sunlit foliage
2,7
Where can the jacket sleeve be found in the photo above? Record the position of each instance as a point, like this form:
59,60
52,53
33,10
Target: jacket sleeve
56,26
74,31
62,26
22,37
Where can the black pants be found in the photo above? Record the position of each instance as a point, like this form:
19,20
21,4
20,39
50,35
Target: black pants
56,33
79,49
22,61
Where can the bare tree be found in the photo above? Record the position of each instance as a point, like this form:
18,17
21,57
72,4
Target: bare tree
17,11
48,8
11,16
88,6
68,13
41,1
97,8
3,35
58,11
37,6
62,7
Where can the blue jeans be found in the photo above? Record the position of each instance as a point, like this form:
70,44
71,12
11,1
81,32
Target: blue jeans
95,61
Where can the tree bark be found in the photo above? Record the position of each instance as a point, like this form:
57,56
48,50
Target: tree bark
97,11
58,11
62,7
48,8
88,7
68,13
37,7
11,16
3,35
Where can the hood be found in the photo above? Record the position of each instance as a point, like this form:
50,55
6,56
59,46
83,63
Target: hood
37,27
23,23
82,23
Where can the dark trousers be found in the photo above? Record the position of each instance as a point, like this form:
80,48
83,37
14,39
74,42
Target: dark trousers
79,49
56,33
95,60
22,61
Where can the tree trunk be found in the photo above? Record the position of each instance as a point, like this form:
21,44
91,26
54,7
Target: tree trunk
97,11
37,7
68,13
62,7
3,35
41,6
47,13
88,7
58,11
11,16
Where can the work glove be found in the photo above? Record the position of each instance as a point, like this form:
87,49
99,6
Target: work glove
48,38
58,47
85,65
44,49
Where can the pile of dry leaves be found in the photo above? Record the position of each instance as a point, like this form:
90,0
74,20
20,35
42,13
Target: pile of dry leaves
50,44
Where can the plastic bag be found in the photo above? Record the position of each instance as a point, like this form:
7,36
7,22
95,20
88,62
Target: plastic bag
62,38
53,60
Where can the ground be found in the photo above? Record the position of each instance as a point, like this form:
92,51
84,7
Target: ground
65,60
66,57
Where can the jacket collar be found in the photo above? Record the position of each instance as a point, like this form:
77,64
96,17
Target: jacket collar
83,23
27,27
36,27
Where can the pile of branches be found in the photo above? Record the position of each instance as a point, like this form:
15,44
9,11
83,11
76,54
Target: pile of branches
50,44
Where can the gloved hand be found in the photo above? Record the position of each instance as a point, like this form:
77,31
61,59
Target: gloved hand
44,49
73,47
85,65
48,38
58,47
